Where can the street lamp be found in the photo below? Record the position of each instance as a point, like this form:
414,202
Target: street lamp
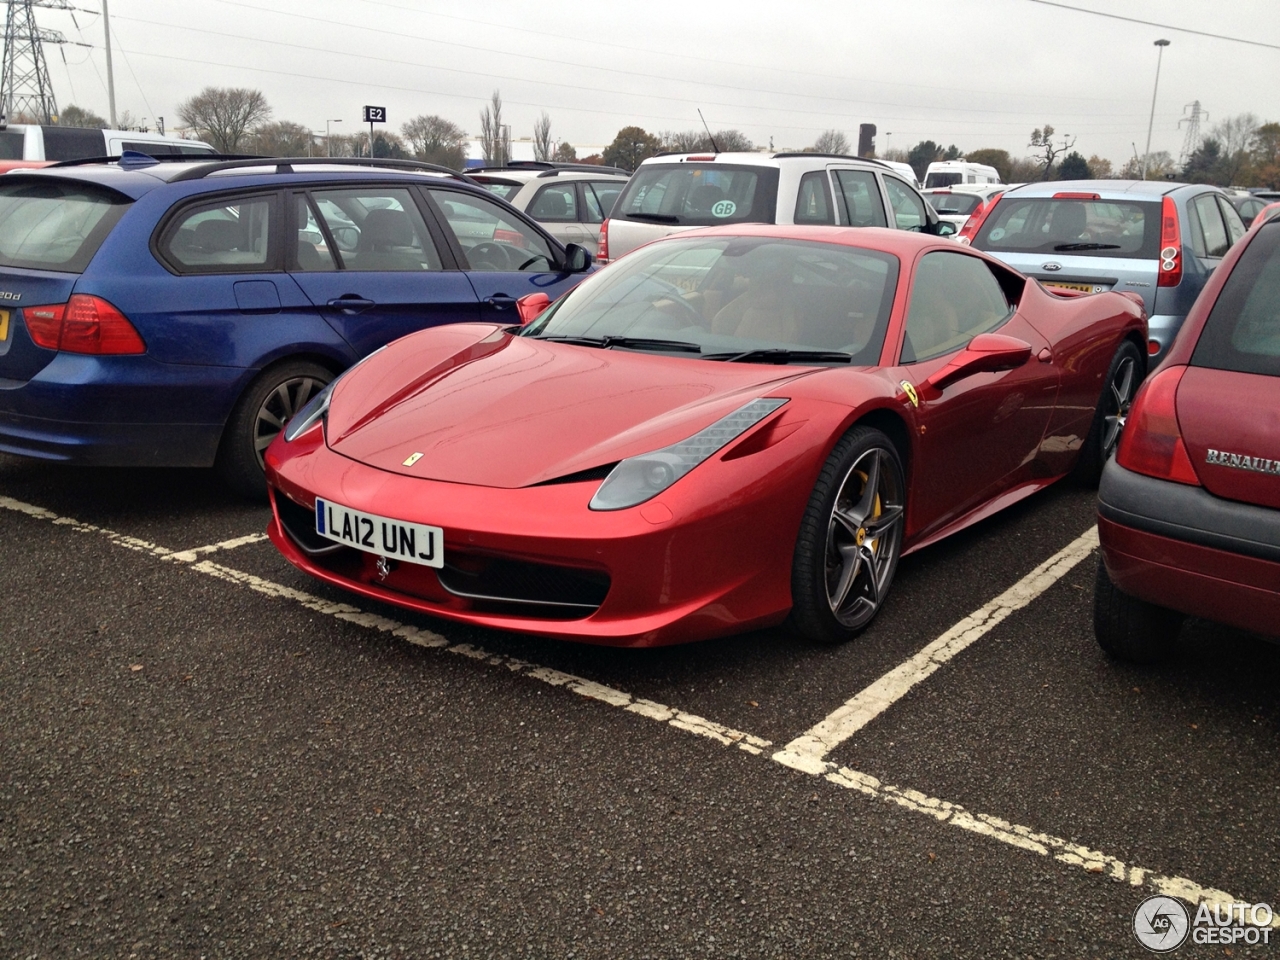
327,151
1146,157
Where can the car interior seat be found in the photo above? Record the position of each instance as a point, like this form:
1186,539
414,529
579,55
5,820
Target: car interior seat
702,198
1068,222
386,242
217,236
552,205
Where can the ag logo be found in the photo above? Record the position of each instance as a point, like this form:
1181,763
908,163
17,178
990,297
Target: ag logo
1161,924
724,208
910,391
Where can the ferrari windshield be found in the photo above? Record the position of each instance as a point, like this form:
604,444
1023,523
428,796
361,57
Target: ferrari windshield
747,298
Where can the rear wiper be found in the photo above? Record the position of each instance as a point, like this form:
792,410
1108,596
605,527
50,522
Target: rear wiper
778,355
1087,246
640,343
655,217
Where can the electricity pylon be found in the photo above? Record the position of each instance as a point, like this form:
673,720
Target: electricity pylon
25,87
1192,140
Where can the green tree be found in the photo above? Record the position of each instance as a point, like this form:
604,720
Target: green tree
73,116
921,155
434,139
1074,167
565,153
1205,163
225,116
992,157
630,147
1047,150
1265,156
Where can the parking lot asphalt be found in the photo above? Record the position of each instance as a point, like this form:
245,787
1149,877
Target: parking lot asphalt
206,753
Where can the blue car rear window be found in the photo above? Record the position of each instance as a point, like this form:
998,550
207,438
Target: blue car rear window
1243,331
55,225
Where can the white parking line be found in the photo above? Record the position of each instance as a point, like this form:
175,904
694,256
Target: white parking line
807,751
190,556
1023,838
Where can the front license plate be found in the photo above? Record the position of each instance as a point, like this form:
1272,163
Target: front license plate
4,325
395,539
1085,287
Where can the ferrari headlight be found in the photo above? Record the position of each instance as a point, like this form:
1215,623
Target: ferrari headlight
641,478
312,412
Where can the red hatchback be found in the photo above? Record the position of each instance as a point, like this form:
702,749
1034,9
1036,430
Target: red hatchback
1189,509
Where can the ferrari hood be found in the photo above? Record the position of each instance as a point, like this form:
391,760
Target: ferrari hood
469,403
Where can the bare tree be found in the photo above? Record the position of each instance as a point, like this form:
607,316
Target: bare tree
224,115
697,141
494,142
436,140
73,116
281,139
831,141
1236,135
542,146
1049,151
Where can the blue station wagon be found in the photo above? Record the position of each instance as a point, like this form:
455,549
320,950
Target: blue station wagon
178,313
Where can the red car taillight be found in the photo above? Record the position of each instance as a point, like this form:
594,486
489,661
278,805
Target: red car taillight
974,223
83,324
1170,246
603,254
1152,442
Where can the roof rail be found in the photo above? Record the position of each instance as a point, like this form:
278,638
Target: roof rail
163,158
832,156
286,165
551,168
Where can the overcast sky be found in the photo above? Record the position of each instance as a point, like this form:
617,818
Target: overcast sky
977,73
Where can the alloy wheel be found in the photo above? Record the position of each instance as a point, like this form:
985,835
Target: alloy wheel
864,535
1122,388
280,405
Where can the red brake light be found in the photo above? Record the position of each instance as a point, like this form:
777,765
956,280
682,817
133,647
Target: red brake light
1152,442
603,254
83,324
974,223
44,324
709,156
1170,246
1077,196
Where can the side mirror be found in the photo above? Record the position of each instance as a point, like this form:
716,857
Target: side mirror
531,306
577,259
943,228
985,353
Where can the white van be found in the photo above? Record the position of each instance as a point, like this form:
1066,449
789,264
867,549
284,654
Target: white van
30,141
949,173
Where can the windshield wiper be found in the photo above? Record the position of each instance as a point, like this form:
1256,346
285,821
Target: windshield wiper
779,355
1087,246
655,217
639,343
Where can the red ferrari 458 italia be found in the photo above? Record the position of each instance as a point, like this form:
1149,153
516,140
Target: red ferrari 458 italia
724,429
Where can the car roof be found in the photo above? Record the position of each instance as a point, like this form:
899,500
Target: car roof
753,158
1106,189
522,176
134,179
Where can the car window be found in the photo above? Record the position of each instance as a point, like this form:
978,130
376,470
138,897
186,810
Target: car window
555,201
229,236
150,149
377,228
735,294
12,144
602,195
908,208
1082,228
859,199
942,179
1212,235
1242,332
313,253
954,204
73,143
54,225
1235,226
700,194
505,189
491,238
813,200
955,297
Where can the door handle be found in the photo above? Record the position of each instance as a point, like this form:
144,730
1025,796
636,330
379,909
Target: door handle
351,304
500,301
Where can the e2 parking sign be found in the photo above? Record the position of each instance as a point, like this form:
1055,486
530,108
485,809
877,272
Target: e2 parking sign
375,114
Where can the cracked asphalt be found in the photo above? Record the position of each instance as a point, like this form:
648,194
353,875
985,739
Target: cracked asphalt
193,768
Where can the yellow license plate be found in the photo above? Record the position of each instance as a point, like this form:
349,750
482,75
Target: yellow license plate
1085,287
4,325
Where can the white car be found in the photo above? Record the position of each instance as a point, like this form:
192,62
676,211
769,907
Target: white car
955,204
950,173
570,200
31,141
677,192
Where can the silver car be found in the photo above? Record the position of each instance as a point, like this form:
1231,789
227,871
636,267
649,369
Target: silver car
1161,240
569,200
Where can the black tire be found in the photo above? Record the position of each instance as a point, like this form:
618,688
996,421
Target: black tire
272,398
1131,629
850,539
1127,370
